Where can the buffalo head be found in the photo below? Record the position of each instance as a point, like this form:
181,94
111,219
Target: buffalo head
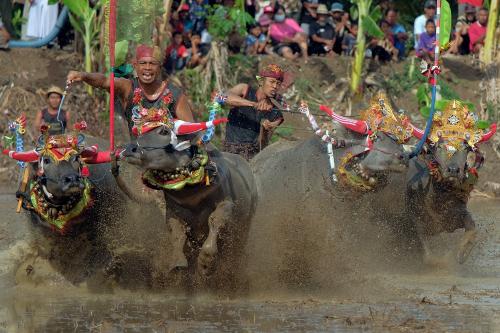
453,139
168,149
377,138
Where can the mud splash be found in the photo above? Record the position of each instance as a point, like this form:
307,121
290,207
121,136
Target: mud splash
443,298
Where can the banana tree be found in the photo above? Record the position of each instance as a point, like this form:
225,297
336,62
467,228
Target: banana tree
367,16
489,42
87,22
222,21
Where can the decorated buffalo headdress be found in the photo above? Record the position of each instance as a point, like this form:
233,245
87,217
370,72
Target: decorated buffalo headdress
62,147
379,117
456,125
59,148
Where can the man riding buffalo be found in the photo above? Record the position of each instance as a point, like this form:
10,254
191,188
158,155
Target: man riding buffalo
145,92
254,114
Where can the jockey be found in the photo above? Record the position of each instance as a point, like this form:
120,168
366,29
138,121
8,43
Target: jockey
146,91
255,113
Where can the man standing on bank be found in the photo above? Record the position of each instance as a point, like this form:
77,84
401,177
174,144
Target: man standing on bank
255,113
146,91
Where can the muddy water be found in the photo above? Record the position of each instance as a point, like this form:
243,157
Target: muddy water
442,297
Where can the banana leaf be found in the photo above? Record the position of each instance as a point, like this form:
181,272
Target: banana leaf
376,13
121,50
79,8
445,32
371,28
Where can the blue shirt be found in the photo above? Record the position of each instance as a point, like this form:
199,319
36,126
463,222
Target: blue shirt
399,44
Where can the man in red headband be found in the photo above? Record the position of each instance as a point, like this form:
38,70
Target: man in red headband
255,113
146,91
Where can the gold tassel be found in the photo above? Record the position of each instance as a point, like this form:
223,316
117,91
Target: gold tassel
207,180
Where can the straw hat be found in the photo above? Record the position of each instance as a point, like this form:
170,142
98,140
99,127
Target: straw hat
322,10
54,90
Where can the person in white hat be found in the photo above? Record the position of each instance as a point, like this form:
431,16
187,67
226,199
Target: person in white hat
322,33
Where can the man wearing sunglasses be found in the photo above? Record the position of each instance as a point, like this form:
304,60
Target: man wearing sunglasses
144,93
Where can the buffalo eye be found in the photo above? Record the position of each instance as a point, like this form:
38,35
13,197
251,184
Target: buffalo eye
164,132
46,160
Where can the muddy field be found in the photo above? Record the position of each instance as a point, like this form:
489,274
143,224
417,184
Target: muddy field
443,297
308,289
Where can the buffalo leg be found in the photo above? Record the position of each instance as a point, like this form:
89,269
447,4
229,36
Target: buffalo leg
220,217
177,236
469,239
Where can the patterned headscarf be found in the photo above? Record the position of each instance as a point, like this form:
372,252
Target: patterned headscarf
143,51
272,70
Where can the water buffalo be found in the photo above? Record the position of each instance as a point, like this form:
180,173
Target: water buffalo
71,204
210,196
308,230
440,180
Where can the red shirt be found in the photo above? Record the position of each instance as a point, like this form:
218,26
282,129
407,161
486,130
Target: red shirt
477,3
476,31
181,50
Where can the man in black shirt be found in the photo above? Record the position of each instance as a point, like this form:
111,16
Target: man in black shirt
308,14
340,22
255,113
322,33
462,29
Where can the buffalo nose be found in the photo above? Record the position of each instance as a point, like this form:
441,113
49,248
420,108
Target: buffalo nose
453,170
131,149
71,179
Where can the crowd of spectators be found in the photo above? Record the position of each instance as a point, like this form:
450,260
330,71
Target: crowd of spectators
301,28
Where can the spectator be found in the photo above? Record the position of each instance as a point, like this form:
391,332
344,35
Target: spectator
180,20
198,15
340,22
42,18
265,47
292,8
48,115
288,37
463,3
322,33
254,39
385,5
308,13
427,41
264,7
477,31
464,22
199,52
176,55
350,39
206,38
398,31
383,50
250,7
419,26
6,29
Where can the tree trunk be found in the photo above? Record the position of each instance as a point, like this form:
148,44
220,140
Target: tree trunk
490,42
359,56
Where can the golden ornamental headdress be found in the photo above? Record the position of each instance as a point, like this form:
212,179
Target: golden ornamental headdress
456,125
381,117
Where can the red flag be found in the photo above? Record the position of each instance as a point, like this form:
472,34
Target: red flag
477,3
112,39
